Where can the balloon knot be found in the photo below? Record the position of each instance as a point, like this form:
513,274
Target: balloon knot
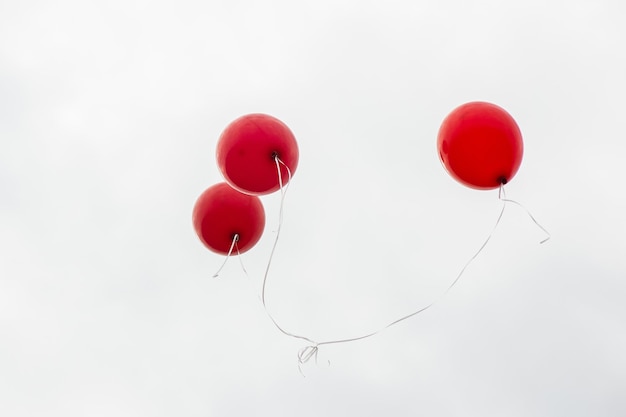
306,353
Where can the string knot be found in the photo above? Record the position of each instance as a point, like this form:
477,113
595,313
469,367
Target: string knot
308,352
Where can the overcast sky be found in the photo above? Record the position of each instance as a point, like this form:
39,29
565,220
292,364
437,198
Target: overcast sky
110,113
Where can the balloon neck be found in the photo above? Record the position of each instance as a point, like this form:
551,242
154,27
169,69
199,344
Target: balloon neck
502,180
274,155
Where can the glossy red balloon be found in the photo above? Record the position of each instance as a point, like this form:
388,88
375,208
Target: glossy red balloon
222,212
480,145
246,151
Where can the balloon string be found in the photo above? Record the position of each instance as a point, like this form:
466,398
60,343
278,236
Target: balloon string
283,193
240,258
502,197
311,351
233,245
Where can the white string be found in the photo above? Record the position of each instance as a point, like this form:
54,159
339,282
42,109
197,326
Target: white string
283,192
240,258
311,351
502,196
315,347
233,245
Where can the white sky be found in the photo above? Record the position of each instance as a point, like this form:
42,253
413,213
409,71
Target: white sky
109,117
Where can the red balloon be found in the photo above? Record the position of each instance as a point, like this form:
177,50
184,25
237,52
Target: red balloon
246,153
480,145
221,213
